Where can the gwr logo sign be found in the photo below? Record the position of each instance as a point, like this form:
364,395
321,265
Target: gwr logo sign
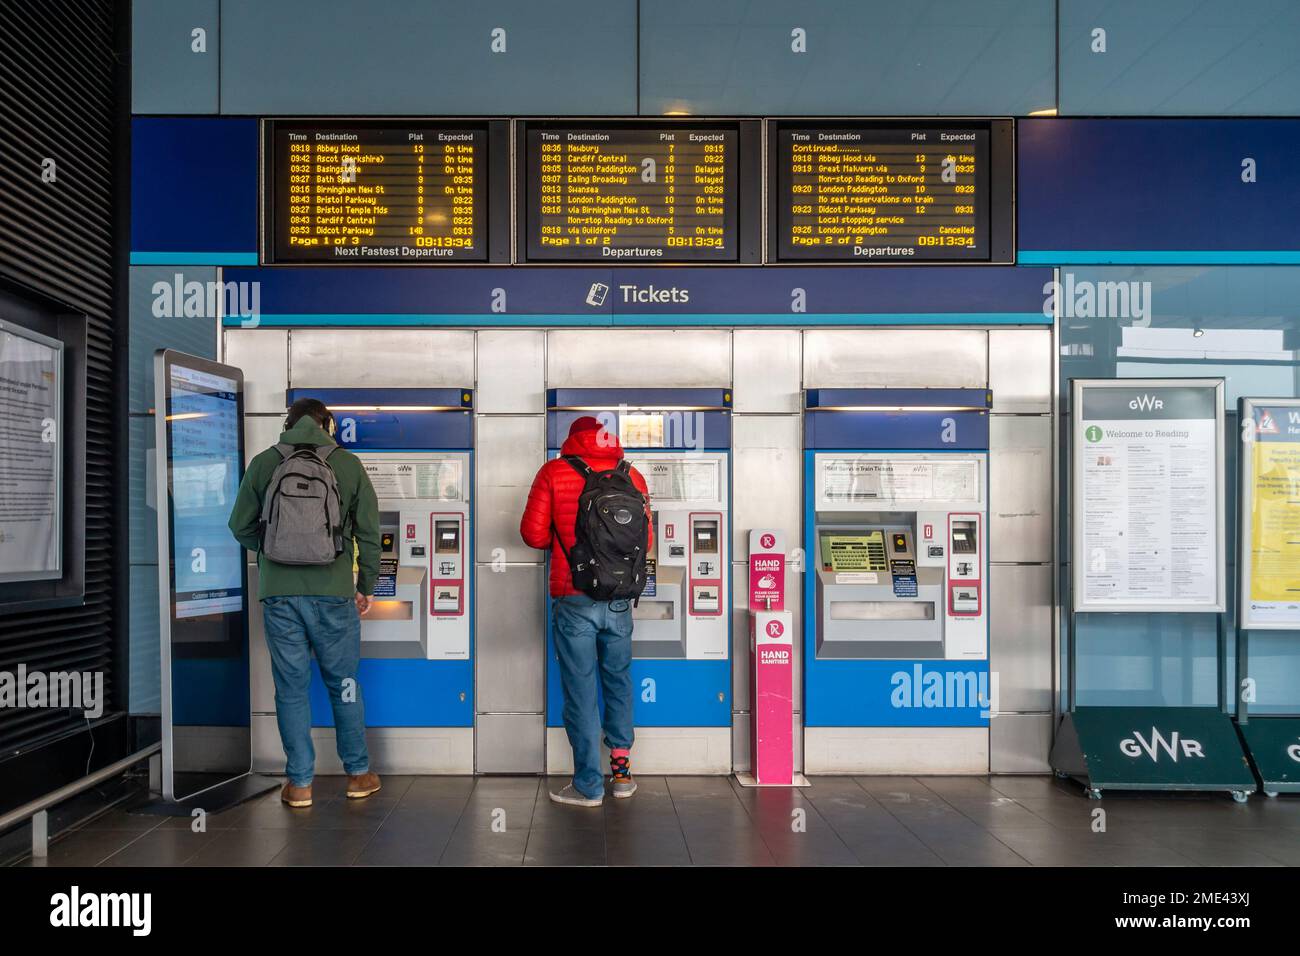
1146,403
1137,745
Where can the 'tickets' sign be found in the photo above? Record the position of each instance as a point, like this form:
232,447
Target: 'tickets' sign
766,570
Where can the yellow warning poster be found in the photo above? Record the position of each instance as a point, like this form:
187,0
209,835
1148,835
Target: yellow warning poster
1273,590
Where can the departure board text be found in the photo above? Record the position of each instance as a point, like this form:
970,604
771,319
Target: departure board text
882,193
378,192
632,194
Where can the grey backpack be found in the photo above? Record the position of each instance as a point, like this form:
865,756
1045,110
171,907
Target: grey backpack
302,515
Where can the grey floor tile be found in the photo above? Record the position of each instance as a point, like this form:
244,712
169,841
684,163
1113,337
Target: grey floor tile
161,848
240,848
400,845
646,846
554,847
121,820
322,847
85,847
471,846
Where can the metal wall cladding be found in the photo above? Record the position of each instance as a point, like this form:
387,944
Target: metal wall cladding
509,639
508,451
174,68
767,371
1020,743
1171,57
843,57
511,371
1020,370
263,354
767,477
388,358
1020,488
895,358
1020,636
429,57
510,743
638,358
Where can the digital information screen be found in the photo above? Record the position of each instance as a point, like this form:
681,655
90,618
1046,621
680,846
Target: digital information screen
881,193
636,193
384,192
205,456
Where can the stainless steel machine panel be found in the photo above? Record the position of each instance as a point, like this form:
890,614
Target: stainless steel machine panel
1020,636
510,649
1020,488
510,449
895,358
1020,370
511,372
768,369
768,462
263,354
391,358
638,358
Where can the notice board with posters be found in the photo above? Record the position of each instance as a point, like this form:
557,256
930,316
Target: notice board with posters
31,455
1269,581
1147,495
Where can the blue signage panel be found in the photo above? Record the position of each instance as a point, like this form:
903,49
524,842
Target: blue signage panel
193,191
890,431
1158,191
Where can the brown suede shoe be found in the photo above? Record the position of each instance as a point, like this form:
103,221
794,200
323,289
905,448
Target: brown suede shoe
362,785
296,796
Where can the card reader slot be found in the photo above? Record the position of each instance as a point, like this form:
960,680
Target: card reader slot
882,610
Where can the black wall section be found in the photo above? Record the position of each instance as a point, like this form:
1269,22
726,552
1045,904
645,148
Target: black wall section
63,88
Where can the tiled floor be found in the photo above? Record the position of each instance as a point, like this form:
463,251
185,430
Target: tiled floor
839,821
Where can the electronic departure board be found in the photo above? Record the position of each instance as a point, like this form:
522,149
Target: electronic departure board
891,192
636,192
385,192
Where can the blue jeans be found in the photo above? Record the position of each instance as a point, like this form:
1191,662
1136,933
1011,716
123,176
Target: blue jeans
329,626
594,642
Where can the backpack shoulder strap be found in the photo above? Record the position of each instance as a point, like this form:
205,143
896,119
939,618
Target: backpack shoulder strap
323,452
578,465
623,467
284,449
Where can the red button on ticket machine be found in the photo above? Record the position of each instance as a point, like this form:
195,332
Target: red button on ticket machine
447,564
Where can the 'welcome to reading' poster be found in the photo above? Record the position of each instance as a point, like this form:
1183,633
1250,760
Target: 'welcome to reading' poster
1148,473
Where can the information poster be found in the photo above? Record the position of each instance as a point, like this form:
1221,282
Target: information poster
31,384
677,480
1270,514
1148,515
858,480
439,480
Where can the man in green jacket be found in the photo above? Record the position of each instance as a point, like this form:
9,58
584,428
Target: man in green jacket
308,608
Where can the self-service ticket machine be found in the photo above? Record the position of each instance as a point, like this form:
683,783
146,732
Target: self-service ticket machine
896,602
679,440
416,671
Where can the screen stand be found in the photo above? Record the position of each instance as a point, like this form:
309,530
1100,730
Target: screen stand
223,796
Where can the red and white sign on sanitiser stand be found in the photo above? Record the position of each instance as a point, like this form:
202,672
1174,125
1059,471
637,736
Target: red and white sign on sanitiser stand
771,642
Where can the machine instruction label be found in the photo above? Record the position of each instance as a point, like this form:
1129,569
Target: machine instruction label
889,480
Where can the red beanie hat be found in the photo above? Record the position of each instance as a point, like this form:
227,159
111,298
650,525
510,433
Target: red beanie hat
584,424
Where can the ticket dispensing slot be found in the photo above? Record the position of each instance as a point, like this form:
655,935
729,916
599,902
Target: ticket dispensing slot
660,629
706,564
964,583
447,564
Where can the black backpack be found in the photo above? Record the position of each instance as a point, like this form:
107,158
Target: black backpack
608,557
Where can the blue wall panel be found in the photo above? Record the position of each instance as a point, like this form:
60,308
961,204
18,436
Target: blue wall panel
340,57
1157,191
1180,57
193,191
167,74
946,57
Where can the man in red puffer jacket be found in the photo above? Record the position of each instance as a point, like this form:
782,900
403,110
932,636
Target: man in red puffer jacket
591,637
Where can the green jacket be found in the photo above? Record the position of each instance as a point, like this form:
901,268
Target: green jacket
359,502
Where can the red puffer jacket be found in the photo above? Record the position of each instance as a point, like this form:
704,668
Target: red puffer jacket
555,492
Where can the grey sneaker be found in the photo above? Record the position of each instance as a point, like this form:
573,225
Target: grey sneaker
621,783
571,796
